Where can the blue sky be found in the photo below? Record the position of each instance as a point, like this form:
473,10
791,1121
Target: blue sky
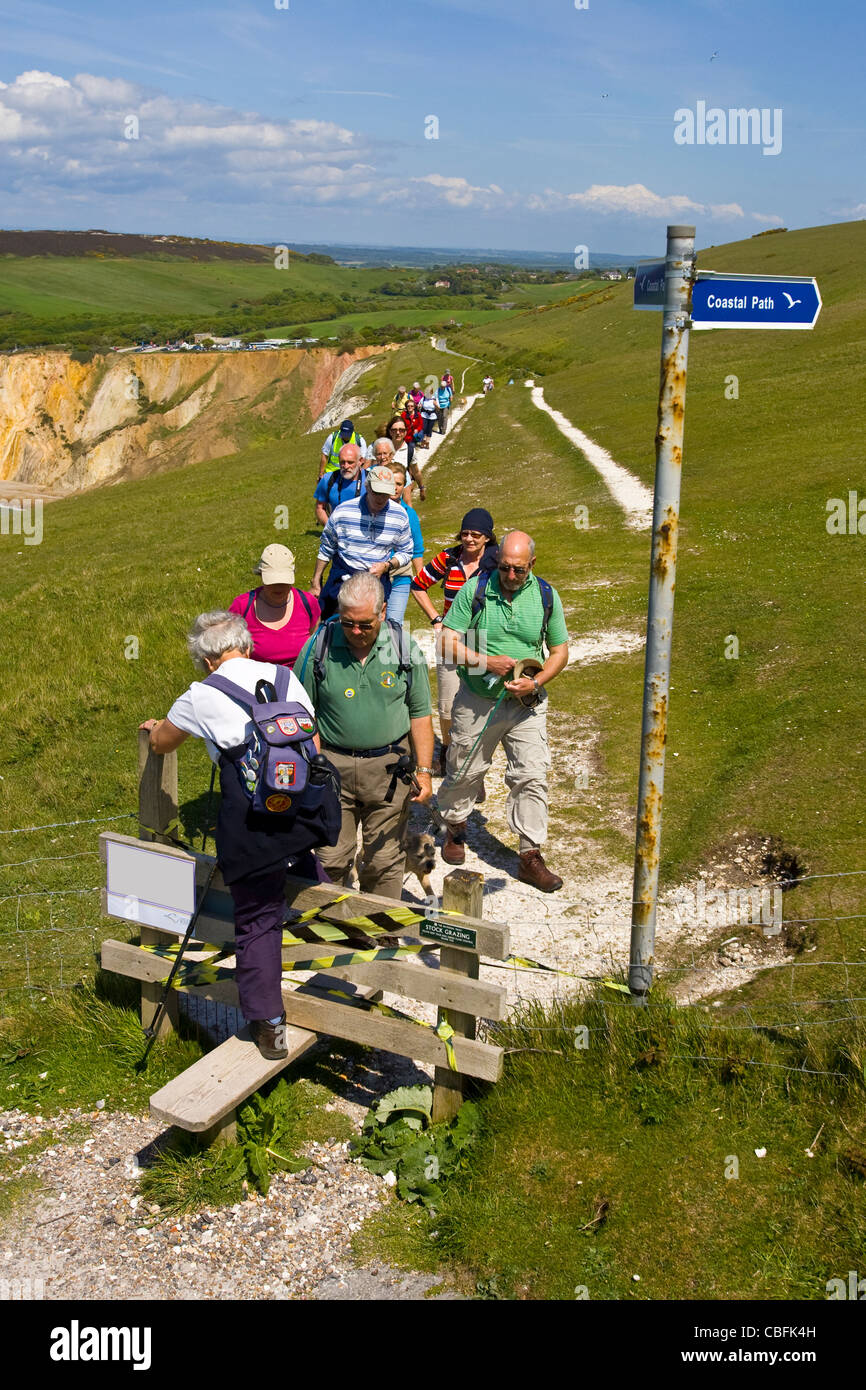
555,124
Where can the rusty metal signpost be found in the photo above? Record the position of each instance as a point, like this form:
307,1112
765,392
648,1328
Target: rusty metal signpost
729,301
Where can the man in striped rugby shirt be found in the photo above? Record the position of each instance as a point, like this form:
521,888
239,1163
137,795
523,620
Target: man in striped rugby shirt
371,533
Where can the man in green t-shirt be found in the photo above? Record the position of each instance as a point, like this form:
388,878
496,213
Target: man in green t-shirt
486,647
369,713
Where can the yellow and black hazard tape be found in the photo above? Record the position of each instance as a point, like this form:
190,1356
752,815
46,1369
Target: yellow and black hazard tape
355,958
442,1029
526,963
205,972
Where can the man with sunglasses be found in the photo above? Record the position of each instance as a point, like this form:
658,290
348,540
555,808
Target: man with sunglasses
487,641
373,708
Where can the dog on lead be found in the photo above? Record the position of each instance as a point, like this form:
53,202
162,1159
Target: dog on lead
420,859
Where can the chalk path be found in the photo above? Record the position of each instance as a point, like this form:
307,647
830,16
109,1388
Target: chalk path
626,490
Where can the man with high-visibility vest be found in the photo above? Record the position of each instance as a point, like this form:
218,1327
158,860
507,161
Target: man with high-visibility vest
346,434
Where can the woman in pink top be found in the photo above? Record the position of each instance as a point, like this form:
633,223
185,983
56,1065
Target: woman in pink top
280,617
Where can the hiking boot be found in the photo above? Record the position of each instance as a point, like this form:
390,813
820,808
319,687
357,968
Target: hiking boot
534,870
270,1038
454,848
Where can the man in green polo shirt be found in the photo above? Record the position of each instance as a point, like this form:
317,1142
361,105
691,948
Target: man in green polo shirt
486,647
369,713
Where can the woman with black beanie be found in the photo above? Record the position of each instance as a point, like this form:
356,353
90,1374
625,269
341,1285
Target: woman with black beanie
476,550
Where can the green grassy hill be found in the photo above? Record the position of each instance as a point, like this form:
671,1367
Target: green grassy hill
772,739
628,1145
67,290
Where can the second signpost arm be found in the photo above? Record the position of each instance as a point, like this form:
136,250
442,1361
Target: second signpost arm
679,269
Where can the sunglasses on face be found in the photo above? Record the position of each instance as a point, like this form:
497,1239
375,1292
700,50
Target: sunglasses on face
516,569
472,535
364,627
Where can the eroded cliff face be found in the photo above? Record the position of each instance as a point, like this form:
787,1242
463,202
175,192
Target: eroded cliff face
70,426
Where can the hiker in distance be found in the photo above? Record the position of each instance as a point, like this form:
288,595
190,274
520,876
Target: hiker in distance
370,689
261,831
500,622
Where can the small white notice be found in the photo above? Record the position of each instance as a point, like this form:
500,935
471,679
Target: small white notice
156,890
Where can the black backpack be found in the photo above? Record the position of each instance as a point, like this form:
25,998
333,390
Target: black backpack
479,598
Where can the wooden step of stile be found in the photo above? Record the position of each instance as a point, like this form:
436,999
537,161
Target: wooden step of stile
223,1079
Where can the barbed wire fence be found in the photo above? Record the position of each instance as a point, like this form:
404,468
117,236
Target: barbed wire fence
50,934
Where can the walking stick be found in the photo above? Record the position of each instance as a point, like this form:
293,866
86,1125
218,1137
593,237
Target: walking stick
150,1032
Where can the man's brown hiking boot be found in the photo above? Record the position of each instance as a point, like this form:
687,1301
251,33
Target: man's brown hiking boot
534,870
454,848
270,1038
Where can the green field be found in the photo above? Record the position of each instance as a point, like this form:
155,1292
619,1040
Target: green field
769,744
65,299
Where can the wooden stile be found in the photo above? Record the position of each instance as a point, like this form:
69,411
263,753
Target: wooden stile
204,1098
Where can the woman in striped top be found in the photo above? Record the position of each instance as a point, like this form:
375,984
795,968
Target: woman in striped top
476,550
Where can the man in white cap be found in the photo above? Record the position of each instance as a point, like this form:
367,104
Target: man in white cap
372,533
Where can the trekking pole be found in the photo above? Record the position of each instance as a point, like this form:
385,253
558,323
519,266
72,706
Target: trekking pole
208,806
150,1031
499,699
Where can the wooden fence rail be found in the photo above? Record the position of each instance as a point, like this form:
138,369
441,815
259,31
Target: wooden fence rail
339,1000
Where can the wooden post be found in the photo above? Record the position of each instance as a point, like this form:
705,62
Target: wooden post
157,791
225,1131
157,808
462,891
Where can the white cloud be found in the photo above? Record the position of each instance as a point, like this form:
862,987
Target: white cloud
11,124
729,210
635,199
459,193
771,218
70,140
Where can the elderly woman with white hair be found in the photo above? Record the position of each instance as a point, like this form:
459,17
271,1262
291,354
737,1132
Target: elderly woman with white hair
254,851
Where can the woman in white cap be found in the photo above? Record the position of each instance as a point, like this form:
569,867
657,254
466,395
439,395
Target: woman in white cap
279,616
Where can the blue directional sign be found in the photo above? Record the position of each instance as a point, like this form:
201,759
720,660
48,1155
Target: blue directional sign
649,285
720,300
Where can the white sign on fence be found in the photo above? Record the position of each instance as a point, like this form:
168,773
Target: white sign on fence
156,890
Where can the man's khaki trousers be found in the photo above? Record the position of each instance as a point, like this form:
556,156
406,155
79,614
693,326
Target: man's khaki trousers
365,785
523,734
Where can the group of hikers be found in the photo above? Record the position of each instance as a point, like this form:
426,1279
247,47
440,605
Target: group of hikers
415,414
316,706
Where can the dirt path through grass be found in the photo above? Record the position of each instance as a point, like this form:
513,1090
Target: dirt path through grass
508,457
627,491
